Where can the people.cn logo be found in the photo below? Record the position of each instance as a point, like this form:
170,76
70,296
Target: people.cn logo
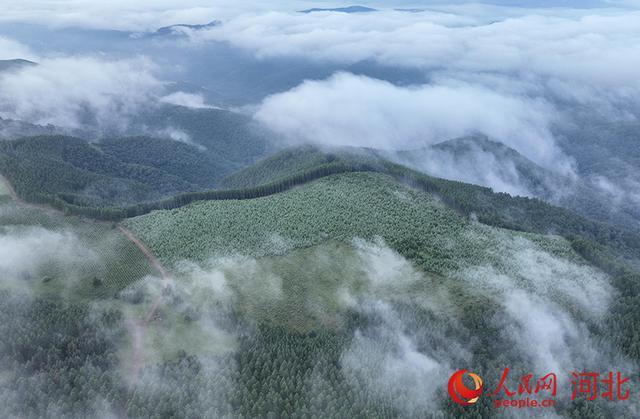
460,393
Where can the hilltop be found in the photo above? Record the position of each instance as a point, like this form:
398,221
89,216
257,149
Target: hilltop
8,65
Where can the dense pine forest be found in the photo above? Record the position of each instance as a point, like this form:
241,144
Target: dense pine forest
289,362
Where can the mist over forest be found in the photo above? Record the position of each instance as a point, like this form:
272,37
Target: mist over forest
279,209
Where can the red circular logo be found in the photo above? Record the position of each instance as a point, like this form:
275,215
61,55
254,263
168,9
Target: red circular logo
460,393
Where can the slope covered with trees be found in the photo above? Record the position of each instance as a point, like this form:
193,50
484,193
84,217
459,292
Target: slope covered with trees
279,173
298,312
70,257
169,150
111,172
292,233
338,207
230,135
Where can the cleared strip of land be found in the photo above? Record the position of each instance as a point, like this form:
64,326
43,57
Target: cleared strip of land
137,327
7,189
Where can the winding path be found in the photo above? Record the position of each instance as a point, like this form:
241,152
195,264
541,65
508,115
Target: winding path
144,249
12,192
19,201
137,327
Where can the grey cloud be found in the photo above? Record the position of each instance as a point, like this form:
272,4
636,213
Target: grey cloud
626,191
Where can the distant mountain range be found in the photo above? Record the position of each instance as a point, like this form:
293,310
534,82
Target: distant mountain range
6,65
348,9
411,10
232,141
179,29
479,160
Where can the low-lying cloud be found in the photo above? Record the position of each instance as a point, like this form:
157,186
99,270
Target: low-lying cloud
551,305
572,50
75,92
359,111
25,252
187,100
11,50
512,74
386,360
117,14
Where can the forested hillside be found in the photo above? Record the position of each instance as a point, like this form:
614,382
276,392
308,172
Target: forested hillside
231,136
474,159
277,167
80,172
68,257
607,156
280,173
287,293
111,172
303,240
324,271
479,160
281,211
500,209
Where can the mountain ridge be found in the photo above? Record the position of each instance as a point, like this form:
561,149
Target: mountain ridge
346,9
15,64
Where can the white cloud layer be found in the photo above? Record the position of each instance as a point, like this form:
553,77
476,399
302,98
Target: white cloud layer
151,14
25,251
75,91
586,47
11,50
360,111
548,303
509,72
391,366
188,100
512,79
116,14
132,15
